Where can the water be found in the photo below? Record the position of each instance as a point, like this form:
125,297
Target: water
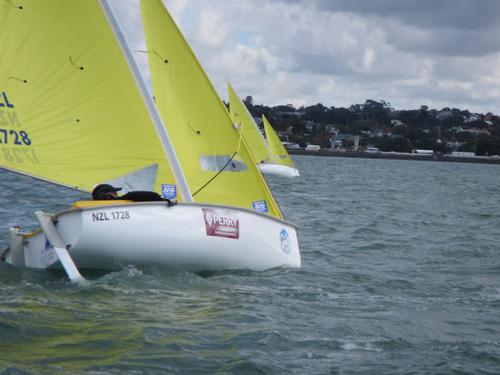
401,275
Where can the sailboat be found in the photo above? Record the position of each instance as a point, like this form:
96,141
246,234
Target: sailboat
270,158
278,152
75,111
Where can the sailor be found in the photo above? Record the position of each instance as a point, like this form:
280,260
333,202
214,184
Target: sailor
108,192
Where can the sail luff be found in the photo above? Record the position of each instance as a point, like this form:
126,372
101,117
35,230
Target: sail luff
151,107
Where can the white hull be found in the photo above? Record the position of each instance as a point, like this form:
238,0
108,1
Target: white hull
278,169
188,236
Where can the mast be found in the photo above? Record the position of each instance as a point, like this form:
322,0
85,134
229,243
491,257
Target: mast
153,111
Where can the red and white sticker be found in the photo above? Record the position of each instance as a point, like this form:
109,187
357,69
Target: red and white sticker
221,223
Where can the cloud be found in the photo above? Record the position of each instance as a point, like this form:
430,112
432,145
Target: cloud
341,52
447,27
423,14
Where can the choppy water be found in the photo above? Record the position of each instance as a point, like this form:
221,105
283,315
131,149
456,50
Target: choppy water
401,275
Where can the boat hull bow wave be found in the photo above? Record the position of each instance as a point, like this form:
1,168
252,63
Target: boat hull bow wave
189,236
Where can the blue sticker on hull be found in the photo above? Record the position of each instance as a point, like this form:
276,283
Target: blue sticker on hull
285,241
168,191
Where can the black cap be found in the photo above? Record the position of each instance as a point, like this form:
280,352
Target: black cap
100,190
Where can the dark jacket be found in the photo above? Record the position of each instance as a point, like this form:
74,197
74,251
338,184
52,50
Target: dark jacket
141,196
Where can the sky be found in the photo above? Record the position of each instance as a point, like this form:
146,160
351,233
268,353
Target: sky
439,53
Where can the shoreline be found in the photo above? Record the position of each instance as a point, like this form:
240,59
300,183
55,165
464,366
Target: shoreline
391,156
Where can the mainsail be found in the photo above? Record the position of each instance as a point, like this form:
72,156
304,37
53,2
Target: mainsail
70,110
279,154
217,165
251,132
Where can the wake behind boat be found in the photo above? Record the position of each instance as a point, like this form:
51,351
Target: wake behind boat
83,116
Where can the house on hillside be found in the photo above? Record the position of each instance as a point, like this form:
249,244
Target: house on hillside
312,126
376,133
472,118
476,131
330,129
342,140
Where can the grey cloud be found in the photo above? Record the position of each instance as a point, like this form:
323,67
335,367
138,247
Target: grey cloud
449,42
462,14
320,64
464,68
440,27
339,52
437,96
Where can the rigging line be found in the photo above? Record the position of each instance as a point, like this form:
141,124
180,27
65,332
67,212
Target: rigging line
217,174
156,53
225,165
14,5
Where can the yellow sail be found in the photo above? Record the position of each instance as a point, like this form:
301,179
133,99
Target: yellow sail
217,165
70,110
251,133
279,154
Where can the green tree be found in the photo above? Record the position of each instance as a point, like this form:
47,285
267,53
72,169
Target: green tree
248,101
397,144
489,145
363,125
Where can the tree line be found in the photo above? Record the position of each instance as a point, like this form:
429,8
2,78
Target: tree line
377,123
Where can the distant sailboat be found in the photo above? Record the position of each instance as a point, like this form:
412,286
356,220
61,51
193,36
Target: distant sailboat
76,112
278,152
271,160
